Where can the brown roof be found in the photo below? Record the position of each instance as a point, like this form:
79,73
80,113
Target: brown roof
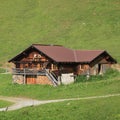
87,55
61,54
57,53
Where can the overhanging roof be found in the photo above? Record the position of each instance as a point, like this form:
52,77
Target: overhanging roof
61,54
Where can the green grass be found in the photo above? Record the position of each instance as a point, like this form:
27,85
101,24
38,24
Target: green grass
4,103
109,74
94,109
78,24
79,89
2,70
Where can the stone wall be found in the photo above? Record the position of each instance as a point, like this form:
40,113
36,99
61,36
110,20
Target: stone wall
67,78
18,79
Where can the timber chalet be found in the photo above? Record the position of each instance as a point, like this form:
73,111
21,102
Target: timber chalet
55,64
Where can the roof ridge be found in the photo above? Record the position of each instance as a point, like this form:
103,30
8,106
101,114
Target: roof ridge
45,44
90,50
75,55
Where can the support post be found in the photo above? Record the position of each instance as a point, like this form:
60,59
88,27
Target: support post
52,67
88,73
24,79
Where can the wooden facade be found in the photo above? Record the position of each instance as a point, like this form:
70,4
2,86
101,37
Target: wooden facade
34,66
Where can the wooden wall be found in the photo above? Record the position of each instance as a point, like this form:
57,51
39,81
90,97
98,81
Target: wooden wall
38,80
81,69
68,68
32,60
96,69
43,80
31,79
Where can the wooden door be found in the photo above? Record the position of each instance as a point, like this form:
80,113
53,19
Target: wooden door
31,79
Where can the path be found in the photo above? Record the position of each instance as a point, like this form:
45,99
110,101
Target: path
24,102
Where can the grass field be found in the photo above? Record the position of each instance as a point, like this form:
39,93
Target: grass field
94,109
78,24
4,103
89,109
108,84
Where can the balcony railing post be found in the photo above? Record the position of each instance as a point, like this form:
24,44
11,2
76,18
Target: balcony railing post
24,79
24,71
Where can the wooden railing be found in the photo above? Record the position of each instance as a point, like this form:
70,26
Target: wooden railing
27,71
52,77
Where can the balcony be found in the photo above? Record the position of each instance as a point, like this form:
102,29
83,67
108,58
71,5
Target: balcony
27,71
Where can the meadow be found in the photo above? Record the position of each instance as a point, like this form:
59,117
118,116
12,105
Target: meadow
77,24
89,109
108,84
4,103
94,109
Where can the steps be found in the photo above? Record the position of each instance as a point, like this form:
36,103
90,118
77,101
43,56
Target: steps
52,77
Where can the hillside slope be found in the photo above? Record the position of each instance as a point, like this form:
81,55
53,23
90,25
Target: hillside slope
78,24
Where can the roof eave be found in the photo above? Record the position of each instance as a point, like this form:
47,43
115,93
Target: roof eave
96,59
20,54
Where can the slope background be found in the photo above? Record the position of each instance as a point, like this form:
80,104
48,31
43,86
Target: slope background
77,24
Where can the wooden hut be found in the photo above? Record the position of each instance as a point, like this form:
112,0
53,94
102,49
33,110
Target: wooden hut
53,64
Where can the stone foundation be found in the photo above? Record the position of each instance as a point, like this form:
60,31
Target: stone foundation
18,79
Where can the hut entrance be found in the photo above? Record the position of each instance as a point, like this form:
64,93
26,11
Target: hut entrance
31,79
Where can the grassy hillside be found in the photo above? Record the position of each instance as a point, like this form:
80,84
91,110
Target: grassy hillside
78,24
96,109
89,109
109,84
